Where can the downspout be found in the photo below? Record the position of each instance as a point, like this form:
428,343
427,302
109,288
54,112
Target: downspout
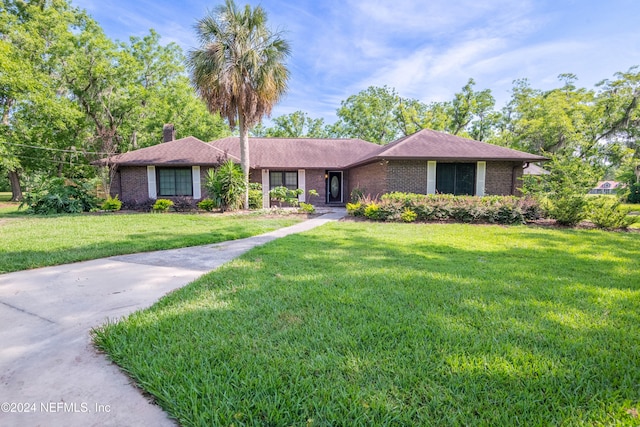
513,179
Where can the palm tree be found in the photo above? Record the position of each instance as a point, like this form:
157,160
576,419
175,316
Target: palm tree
239,69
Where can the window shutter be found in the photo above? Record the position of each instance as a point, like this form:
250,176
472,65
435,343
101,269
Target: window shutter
266,201
151,182
195,175
431,177
481,172
302,185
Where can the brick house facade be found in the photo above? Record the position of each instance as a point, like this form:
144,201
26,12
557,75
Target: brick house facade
427,162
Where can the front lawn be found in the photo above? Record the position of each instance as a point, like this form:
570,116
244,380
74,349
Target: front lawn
29,241
395,324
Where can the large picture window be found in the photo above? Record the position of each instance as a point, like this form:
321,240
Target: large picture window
283,179
175,182
456,178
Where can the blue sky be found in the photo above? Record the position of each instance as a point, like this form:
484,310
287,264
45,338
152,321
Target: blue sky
425,49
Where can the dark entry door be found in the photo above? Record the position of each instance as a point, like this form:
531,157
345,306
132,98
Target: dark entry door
334,187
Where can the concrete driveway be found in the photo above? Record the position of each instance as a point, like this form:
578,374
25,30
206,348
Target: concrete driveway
50,373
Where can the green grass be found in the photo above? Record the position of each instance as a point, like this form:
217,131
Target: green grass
35,241
392,324
4,196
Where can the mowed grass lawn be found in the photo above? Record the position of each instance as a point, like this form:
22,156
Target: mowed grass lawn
357,324
28,241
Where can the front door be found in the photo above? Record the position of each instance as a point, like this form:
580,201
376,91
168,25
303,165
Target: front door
334,187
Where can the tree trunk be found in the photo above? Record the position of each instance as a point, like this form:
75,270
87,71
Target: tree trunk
244,157
16,190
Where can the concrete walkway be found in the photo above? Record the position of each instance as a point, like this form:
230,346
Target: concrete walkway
50,374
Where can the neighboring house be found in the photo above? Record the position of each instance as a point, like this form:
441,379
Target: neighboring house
426,162
605,187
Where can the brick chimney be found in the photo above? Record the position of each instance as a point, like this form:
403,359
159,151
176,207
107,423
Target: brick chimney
168,133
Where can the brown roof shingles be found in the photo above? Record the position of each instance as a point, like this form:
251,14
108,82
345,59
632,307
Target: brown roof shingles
184,151
309,153
294,153
428,144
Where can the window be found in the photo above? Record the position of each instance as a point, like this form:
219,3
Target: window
283,179
175,182
456,178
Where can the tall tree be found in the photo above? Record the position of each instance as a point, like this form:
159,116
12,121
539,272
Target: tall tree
239,69
370,115
296,125
39,122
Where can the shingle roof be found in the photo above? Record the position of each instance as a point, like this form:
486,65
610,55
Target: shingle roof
308,153
433,145
184,151
296,153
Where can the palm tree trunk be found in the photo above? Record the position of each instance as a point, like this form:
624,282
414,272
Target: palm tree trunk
244,156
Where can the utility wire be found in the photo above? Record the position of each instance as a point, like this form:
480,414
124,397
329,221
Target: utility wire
56,149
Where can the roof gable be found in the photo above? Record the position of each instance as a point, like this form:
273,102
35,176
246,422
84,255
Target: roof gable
433,145
184,151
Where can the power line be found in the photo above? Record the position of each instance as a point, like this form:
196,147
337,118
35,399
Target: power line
52,160
56,149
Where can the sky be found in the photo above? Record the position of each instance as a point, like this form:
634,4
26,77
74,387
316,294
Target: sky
425,49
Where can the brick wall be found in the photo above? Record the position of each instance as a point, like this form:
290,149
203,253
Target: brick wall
499,178
409,176
131,184
315,181
371,179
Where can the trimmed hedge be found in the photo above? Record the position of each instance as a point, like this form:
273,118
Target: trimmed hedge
410,207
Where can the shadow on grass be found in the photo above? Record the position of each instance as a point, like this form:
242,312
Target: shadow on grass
393,325
53,250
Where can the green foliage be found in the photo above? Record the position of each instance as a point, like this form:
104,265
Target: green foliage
606,212
226,186
39,241
355,209
112,204
206,205
355,324
57,196
295,125
255,195
356,195
162,205
284,195
634,193
411,207
408,215
568,208
306,208
372,211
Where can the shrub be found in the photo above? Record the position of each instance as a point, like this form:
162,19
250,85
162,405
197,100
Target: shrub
162,205
255,195
355,209
372,211
226,186
408,215
183,204
144,205
607,213
634,193
206,205
57,196
112,204
568,208
493,209
285,195
306,208
356,195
